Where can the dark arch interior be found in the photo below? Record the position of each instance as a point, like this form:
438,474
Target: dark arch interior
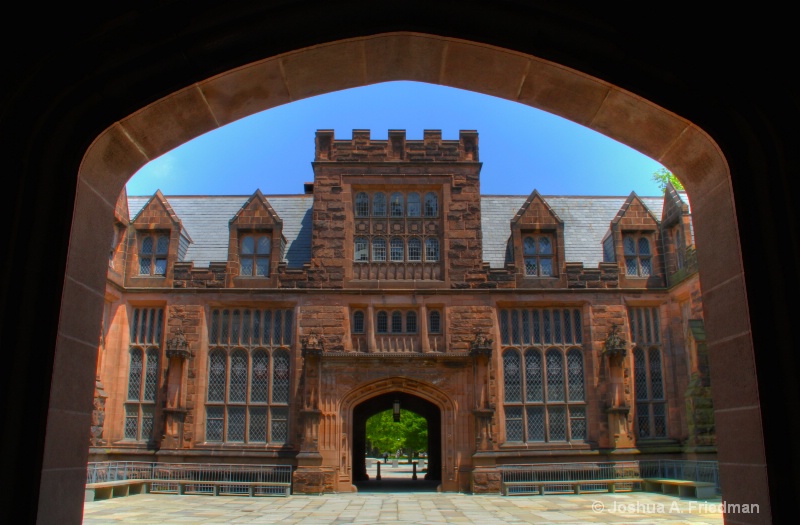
363,411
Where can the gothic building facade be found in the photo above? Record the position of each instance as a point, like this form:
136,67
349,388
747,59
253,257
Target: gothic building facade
267,329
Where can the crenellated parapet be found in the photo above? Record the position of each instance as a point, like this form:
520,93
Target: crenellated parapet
362,148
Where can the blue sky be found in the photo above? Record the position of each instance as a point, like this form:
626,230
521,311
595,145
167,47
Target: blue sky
521,148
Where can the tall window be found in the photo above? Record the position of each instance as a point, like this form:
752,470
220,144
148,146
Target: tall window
362,205
358,322
414,250
361,253
431,249
396,250
396,205
543,375
680,249
254,253
414,205
648,376
538,255
431,205
379,205
248,376
638,256
153,254
379,249
434,322
146,335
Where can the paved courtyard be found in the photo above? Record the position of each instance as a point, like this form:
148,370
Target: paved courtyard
406,508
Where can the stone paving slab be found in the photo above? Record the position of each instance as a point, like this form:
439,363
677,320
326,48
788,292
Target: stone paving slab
415,508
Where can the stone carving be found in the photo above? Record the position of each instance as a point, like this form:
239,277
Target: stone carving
481,343
177,345
615,347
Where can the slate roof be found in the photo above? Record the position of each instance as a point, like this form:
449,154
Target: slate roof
205,218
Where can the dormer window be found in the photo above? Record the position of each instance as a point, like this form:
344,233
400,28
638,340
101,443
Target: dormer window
153,254
638,255
538,255
254,252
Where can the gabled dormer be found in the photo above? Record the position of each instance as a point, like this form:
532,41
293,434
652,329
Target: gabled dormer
156,241
636,235
676,229
255,244
537,237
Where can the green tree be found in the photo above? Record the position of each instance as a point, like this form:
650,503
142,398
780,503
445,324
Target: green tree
410,434
662,176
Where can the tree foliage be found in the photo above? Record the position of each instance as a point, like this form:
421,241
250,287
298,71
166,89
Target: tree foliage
410,434
662,176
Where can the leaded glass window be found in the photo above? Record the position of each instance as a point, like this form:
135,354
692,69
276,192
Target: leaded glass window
547,403
362,205
361,253
651,412
358,322
411,322
538,255
382,322
435,322
414,205
396,249
396,205
431,249
254,251
248,374
638,255
431,205
379,249
414,250
397,322
379,205
153,252
146,331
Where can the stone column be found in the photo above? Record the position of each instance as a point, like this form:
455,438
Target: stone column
423,329
615,351
372,345
486,476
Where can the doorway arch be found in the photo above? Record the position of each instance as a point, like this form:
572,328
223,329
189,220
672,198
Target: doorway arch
409,401
684,148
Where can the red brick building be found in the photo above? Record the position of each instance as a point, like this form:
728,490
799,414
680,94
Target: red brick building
267,329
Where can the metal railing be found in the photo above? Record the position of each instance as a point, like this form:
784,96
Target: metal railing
545,477
197,478
107,471
687,470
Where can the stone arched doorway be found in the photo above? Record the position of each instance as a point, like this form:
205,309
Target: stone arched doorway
421,406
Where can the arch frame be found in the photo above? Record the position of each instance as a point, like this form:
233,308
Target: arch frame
677,143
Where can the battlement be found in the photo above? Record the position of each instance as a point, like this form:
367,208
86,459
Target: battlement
361,148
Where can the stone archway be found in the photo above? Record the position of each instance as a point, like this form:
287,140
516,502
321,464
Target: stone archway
684,148
441,409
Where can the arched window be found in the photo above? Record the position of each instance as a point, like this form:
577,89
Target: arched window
379,249
396,205
638,256
396,250
548,403
431,249
379,205
153,254
358,322
247,380
538,255
431,205
382,322
411,322
397,322
360,251
254,251
434,322
414,249
414,205
362,204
